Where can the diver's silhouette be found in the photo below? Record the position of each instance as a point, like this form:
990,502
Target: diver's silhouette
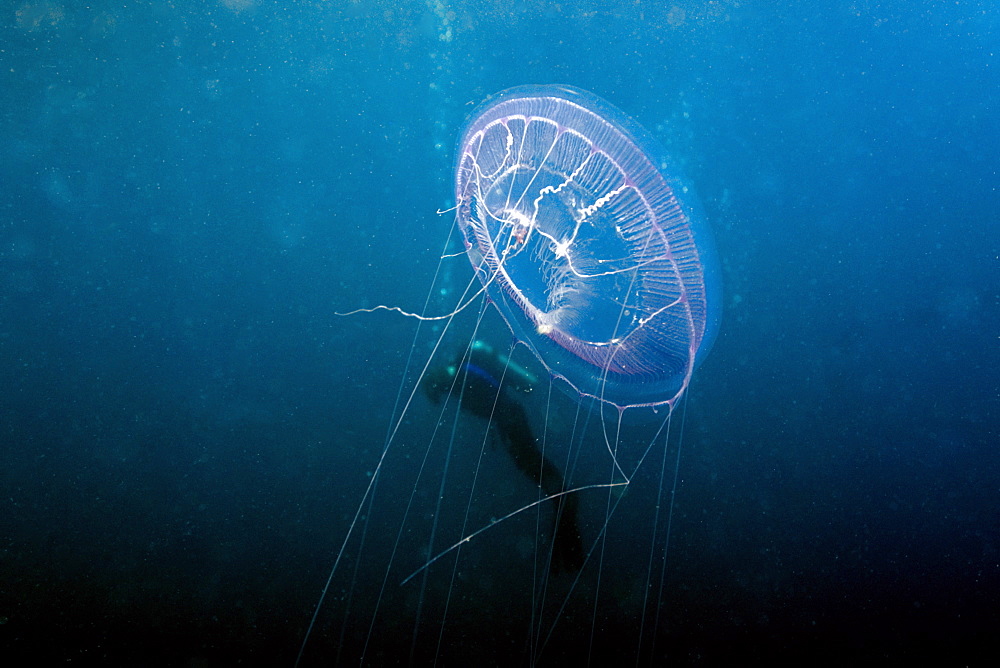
488,380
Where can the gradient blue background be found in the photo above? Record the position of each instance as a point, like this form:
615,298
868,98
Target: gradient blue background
190,190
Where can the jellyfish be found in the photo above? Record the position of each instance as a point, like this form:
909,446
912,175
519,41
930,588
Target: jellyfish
593,281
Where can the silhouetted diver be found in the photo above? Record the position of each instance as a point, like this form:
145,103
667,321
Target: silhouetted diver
487,397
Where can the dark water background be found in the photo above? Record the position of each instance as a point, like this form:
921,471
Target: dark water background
189,191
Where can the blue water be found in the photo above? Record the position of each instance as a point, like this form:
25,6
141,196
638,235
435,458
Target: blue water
191,191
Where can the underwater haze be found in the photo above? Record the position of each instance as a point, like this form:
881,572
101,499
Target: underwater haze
192,193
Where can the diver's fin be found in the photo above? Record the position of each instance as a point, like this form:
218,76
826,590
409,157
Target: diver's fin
567,546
